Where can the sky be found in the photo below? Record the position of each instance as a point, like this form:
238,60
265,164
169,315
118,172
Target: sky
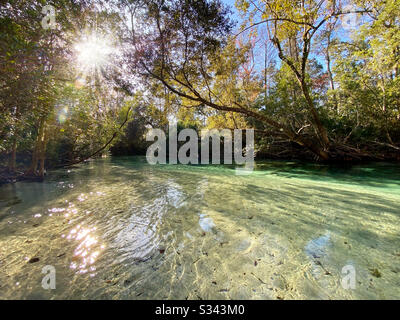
259,51
344,34
231,3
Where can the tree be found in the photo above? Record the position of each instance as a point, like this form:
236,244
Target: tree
187,47
367,72
33,63
39,79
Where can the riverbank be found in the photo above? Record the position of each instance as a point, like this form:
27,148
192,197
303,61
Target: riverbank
7,176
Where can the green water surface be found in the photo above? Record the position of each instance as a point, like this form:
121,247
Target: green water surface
119,228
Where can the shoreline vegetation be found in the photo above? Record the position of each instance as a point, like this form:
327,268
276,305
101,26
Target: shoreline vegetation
7,176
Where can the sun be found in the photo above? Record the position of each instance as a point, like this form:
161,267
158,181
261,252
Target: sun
93,52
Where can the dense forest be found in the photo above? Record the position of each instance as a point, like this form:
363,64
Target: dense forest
317,80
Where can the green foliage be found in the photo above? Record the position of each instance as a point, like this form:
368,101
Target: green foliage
368,73
328,92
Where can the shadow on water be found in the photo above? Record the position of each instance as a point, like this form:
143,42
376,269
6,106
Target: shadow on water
371,174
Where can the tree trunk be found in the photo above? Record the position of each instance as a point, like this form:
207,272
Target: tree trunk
42,153
12,164
322,133
37,153
330,74
13,157
313,147
266,69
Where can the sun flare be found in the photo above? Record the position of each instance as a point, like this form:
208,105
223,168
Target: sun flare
94,52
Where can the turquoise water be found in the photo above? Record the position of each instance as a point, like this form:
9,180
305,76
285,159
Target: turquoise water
118,228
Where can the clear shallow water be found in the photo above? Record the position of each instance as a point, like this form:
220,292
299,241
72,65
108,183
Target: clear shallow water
121,229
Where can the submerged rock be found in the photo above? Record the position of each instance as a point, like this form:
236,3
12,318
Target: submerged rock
316,248
33,260
376,273
207,224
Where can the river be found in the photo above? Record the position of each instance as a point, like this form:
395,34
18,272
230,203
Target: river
119,228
